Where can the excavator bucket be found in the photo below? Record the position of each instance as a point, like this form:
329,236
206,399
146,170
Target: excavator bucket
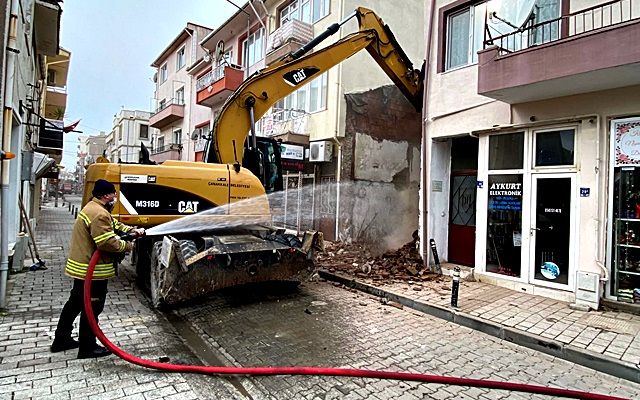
182,270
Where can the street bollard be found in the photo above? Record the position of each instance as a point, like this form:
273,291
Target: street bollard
69,206
436,259
75,214
455,285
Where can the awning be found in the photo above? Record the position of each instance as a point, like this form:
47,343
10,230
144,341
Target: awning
41,164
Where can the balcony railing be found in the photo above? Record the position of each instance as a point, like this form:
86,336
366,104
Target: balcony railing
214,75
586,20
177,102
168,147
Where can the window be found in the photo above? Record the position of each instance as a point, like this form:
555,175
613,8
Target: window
309,98
205,130
554,148
177,136
255,50
119,132
51,77
162,105
309,11
144,131
504,225
160,145
506,151
163,73
179,98
180,58
465,34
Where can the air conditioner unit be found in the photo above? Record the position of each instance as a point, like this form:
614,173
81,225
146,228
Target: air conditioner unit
320,151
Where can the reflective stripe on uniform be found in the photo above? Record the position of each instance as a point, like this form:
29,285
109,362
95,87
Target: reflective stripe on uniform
84,217
79,270
103,237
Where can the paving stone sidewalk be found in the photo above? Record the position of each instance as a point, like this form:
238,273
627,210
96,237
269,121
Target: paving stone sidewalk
35,298
604,340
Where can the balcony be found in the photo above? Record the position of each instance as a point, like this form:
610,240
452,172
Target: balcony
590,50
288,38
167,113
55,102
215,86
166,152
284,121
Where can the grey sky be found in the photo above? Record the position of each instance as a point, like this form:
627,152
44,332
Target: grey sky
112,45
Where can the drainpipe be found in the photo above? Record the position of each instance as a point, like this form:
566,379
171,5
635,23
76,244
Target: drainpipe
7,118
426,145
601,212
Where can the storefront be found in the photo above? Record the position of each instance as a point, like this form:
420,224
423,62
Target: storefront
624,214
528,205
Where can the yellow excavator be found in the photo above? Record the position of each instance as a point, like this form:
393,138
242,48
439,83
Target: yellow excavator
224,235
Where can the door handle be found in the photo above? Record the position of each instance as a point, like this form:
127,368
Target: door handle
532,230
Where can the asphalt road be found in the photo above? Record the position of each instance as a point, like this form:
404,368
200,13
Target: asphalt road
320,324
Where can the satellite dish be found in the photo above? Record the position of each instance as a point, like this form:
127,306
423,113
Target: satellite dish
195,135
206,58
219,50
155,78
507,15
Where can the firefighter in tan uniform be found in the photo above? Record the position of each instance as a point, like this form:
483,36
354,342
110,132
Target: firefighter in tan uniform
94,229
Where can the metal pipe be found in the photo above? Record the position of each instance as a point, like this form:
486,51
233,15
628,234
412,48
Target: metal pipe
259,19
426,144
6,146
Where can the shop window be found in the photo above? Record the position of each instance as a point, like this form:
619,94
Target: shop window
555,148
626,211
506,151
504,225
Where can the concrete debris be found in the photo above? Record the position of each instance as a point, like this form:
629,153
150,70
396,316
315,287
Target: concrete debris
359,260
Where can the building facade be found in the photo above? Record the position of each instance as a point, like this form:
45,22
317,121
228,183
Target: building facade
130,130
30,33
529,157
177,114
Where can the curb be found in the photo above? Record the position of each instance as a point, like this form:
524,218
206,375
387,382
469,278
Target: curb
587,358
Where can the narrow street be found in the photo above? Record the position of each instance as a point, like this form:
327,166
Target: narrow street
317,324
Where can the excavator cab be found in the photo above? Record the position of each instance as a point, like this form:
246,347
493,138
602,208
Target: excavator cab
270,165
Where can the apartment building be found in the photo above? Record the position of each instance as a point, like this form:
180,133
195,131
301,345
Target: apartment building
532,109
176,112
30,34
130,130
350,124
89,149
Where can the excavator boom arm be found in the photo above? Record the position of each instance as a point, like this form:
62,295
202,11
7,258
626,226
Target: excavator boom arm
263,89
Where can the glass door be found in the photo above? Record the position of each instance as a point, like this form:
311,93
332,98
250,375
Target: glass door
552,230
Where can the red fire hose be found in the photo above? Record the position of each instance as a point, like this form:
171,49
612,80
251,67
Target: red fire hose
403,376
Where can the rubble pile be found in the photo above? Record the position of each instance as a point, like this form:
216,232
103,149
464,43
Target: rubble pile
356,259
